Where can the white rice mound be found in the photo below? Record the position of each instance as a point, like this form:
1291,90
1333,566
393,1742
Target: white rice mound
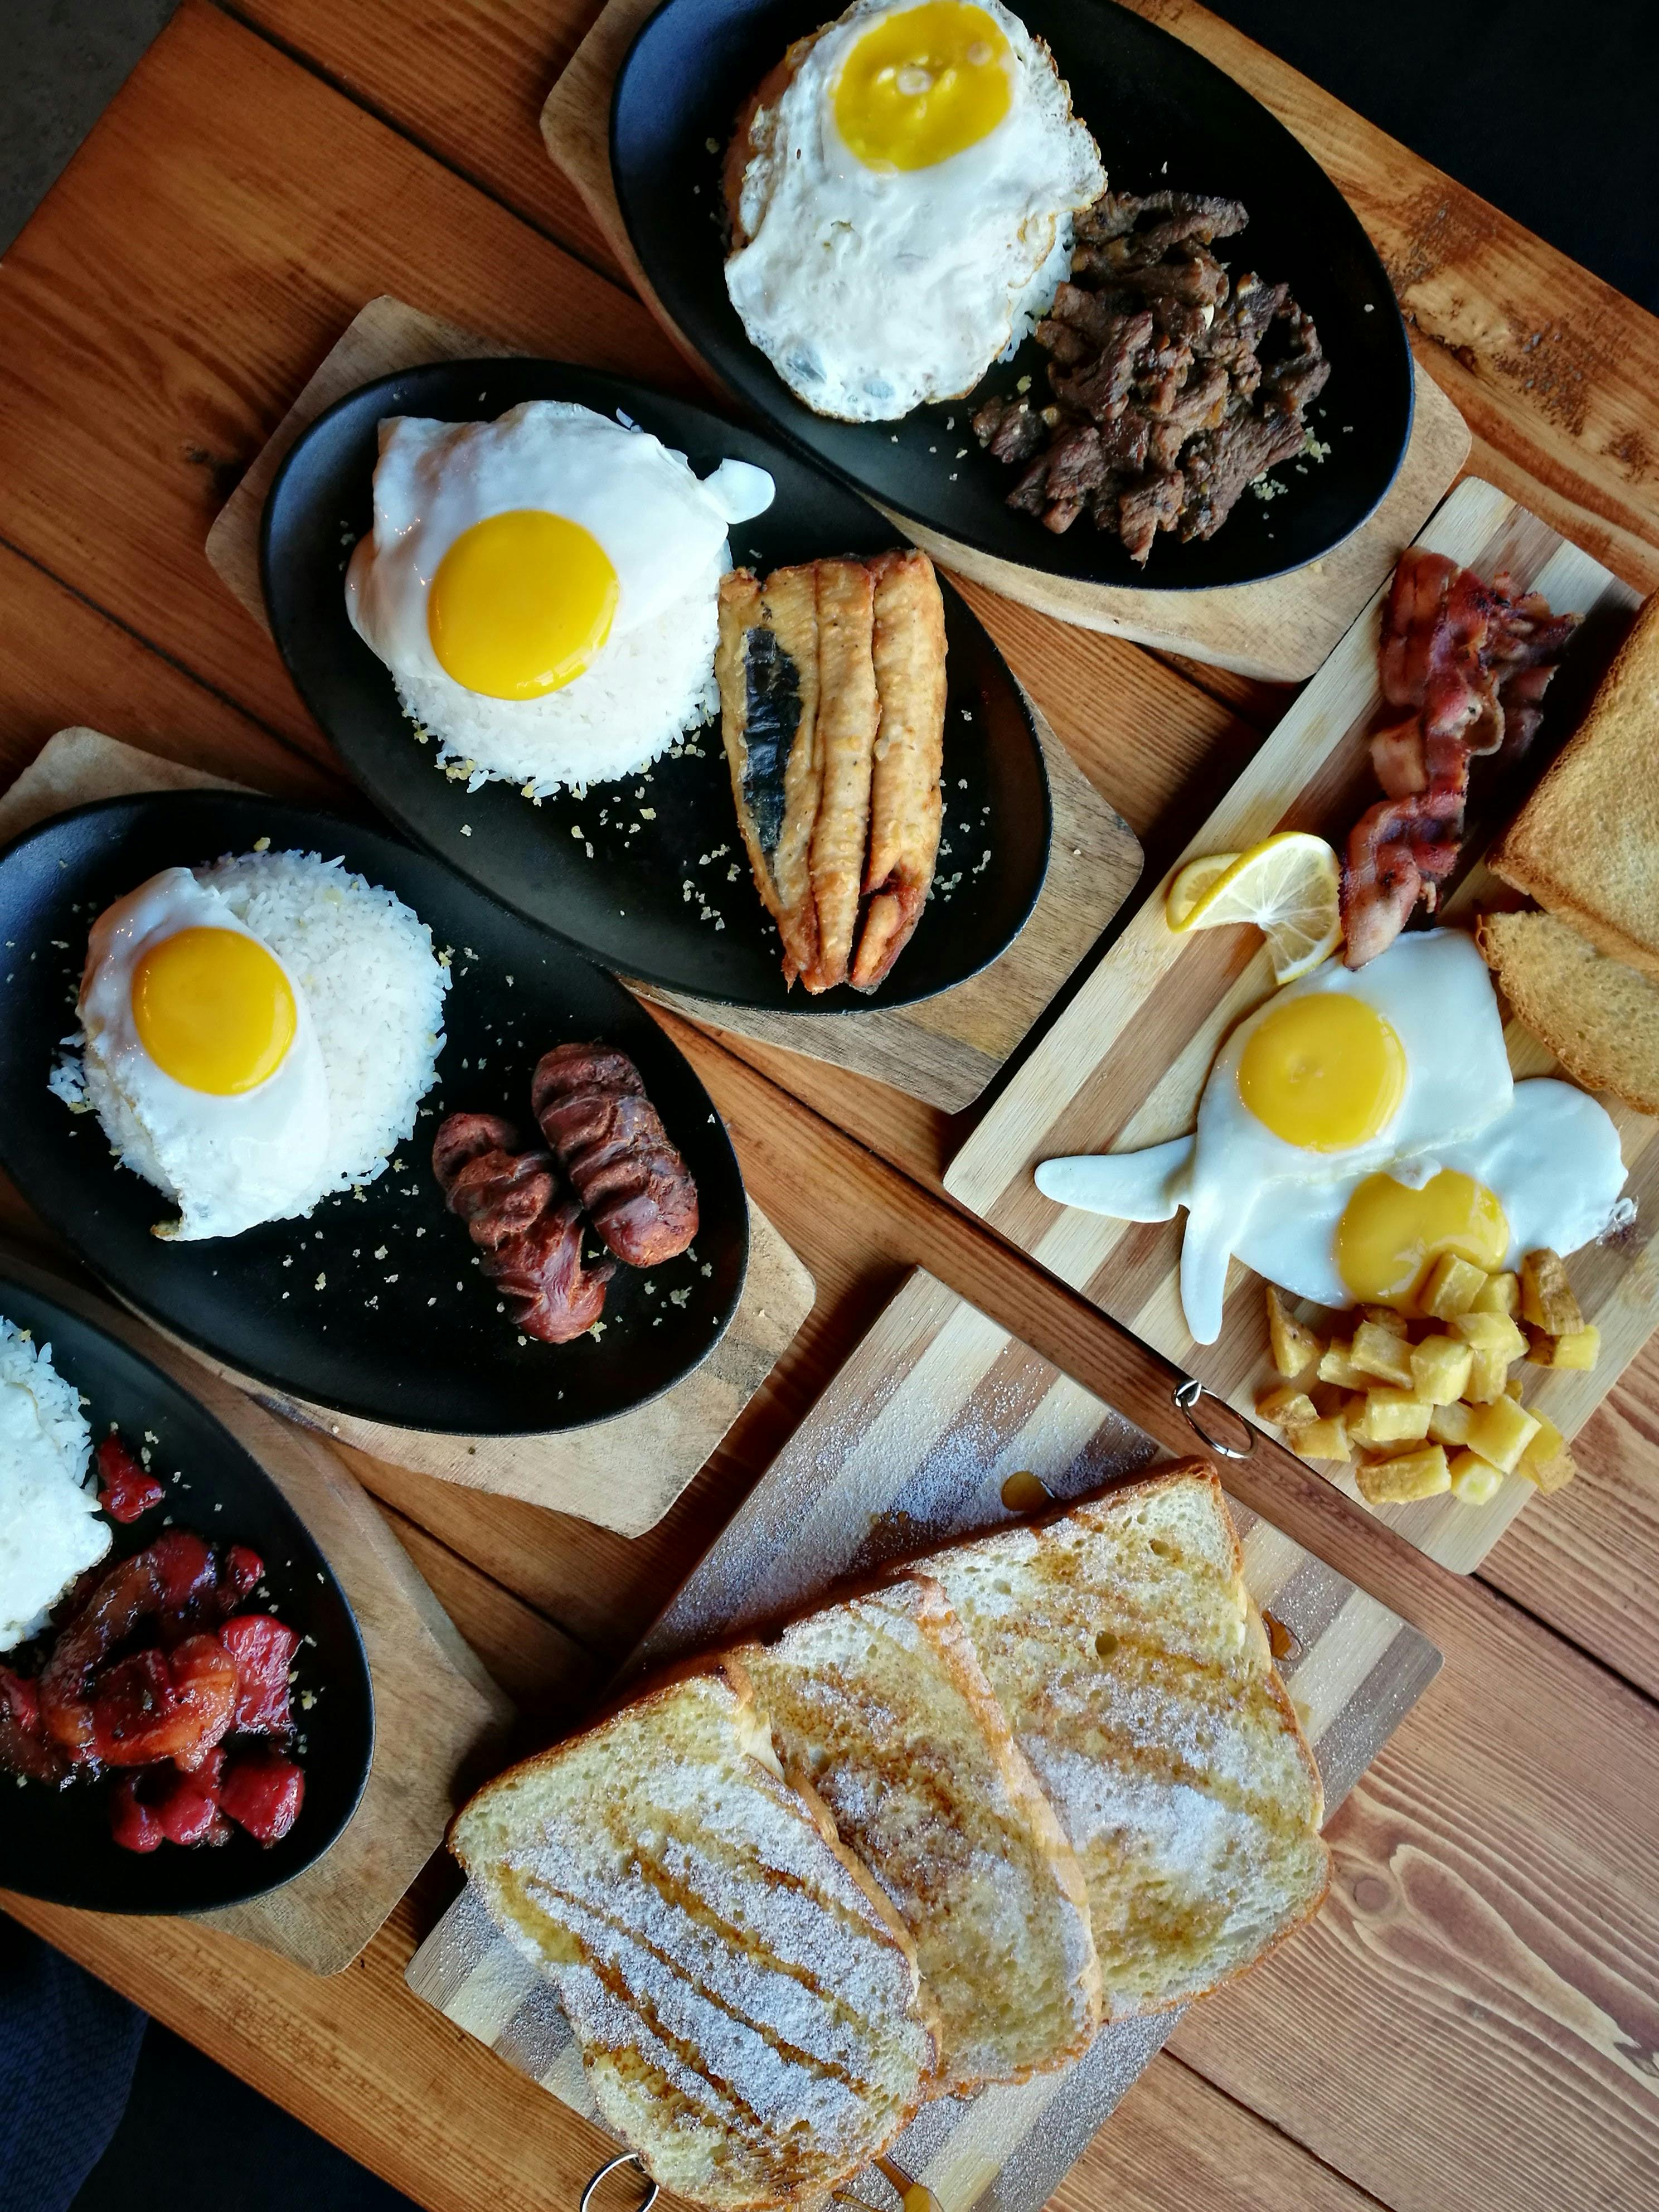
643,692
49,1531
374,986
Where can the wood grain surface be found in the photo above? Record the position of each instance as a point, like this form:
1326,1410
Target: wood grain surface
1279,630
1471,2020
945,1050
1126,1065
909,1448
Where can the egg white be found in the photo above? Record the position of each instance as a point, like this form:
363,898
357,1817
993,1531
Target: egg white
663,531
228,1161
870,291
1549,1153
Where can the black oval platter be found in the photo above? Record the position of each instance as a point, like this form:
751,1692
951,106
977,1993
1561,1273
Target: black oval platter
1163,116
644,894
372,1306
57,1844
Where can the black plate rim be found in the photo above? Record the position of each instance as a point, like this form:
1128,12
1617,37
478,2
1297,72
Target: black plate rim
189,1337
629,388
1394,319
64,1895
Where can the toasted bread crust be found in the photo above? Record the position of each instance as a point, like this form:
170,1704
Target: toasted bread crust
1598,1015
1586,844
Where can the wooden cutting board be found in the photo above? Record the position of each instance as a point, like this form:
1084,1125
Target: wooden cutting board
623,1473
945,1049
1124,1065
1280,630
911,1445
439,1718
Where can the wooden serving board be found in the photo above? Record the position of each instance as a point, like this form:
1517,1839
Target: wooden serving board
1124,1065
910,1445
623,1473
1280,630
438,1717
944,1050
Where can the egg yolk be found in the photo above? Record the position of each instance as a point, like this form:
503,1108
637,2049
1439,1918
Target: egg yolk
1390,1237
921,86
1323,1073
520,604
213,1010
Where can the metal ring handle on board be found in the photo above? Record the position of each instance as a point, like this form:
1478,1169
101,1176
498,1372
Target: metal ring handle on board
627,2158
1187,1396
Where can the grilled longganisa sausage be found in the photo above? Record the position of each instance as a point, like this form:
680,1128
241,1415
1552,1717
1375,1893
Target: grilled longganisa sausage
591,1103
527,1226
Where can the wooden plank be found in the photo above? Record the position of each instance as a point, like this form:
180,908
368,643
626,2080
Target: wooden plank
1125,1066
909,1445
228,214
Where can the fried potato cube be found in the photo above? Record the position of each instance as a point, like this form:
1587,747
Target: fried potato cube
1407,1475
1581,1349
1474,1480
1377,1352
1287,1408
1490,1332
1546,1461
1386,1317
1512,1387
1498,1294
1452,1287
1295,1345
1391,1417
1449,1424
1546,1298
1325,1439
1335,1366
1500,1433
1440,1369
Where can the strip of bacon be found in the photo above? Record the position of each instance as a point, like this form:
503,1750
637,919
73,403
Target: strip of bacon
1464,665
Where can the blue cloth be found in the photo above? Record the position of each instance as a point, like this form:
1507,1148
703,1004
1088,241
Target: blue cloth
67,2049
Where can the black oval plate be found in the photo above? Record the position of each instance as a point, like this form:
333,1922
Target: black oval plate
1162,115
644,895
57,1844
353,1308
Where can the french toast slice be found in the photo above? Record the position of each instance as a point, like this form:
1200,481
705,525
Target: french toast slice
880,1703
1136,1675
746,2001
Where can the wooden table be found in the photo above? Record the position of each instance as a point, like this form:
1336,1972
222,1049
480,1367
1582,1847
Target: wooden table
1474,2019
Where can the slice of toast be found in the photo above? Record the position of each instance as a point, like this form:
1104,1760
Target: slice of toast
1599,1018
1586,844
881,1706
1135,1671
746,2001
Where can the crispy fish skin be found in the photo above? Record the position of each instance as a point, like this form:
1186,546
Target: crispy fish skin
909,653
850,714
767,665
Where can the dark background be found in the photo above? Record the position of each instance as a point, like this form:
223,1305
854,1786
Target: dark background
1551,112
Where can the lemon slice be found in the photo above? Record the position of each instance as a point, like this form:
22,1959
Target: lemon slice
1290,885
1189,886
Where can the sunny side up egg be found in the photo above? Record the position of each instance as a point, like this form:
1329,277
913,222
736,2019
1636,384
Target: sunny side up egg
543,587
1357,1126
201,1058
903,214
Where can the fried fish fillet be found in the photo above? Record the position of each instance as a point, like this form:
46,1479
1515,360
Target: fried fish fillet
767,664
909,653
850,714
